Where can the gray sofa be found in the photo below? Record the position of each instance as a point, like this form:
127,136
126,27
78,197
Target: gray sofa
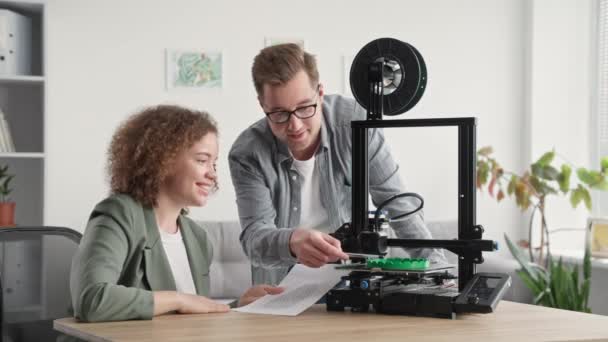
231,270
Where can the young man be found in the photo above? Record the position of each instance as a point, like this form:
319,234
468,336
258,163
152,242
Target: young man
292,170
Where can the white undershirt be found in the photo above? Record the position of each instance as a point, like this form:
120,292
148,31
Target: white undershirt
178,260
313,214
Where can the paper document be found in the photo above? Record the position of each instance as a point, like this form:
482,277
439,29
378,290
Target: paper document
303,286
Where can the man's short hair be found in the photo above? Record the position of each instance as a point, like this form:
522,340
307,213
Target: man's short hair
278,64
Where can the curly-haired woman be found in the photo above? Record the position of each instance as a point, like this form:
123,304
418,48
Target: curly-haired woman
140,256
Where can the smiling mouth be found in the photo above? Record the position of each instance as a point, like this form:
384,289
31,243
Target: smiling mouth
203,187
297,135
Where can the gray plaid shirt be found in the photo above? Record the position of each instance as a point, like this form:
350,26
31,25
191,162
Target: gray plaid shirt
268,189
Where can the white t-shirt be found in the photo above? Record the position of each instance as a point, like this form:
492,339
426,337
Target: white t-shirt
313,214
178,260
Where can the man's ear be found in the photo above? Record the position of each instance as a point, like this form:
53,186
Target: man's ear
321,92
260,101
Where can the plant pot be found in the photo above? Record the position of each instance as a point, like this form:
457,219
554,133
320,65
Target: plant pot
7,214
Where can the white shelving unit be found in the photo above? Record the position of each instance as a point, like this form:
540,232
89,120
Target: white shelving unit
9,79
21,155
22,100
31,262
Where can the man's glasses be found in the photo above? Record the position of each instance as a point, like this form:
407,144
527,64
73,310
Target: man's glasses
304,112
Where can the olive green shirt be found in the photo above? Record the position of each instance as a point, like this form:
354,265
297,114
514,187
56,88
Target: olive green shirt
121,261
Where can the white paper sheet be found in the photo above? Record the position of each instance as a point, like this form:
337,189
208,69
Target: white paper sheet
303,286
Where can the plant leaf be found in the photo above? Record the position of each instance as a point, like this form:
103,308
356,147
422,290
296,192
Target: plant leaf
6,183
485,151
548,189
500,196
520,188
557,284
521,258
584,175
511,186
550,173
575,197
604,164
536,184
540,298
537,169
585,288
542,187
537,287
587,261
596,176
576,296
589,177
564,178
482,172
492,184
546,159
603,185
586,196
526,201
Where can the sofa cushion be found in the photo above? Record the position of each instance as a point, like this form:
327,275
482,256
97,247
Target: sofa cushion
444,230
230,271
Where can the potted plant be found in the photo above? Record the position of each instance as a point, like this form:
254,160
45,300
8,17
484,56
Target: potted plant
7,208
552,282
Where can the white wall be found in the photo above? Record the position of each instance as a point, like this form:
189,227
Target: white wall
519,66
105,59
560,99
560,109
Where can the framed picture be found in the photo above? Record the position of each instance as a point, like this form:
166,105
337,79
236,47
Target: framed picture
194,68
270,41
598,237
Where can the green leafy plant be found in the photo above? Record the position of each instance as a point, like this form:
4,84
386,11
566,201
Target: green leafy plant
552,282
5,181
557,285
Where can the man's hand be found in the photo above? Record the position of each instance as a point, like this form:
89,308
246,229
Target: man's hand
257,292
314,248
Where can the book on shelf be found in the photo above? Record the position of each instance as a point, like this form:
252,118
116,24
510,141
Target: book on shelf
6,139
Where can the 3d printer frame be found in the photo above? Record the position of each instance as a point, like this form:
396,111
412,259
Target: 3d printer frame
380,83
469,245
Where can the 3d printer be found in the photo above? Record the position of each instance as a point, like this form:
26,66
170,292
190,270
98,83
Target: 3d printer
388,77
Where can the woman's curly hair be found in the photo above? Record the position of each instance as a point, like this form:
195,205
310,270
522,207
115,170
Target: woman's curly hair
145,146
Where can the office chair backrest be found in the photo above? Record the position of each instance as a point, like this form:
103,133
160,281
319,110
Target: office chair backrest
34,280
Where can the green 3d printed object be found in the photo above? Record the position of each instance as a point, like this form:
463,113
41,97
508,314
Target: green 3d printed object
419,264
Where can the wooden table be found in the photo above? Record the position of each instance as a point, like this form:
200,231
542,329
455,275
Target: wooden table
511,322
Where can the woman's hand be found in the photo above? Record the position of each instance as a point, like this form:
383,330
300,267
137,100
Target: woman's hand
172,301
257,292
193,304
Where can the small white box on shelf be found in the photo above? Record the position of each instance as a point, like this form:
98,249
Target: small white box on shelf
6,139
15,43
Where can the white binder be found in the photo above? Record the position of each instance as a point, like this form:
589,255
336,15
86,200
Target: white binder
15,43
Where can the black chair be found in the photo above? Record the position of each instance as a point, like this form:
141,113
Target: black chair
35,280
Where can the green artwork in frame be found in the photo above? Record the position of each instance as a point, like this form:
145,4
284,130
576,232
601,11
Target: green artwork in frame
194,69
